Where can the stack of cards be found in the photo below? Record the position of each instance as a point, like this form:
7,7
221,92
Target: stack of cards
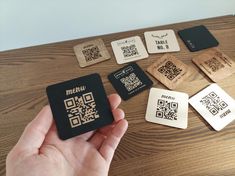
215,106
169,71
161,41
129,50
167,108
129,81
215,64
198,38
91,52
78,106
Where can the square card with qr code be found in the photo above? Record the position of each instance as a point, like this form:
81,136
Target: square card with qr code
161,41
129,50
215,64
169,70
167,107
198,38
78,106
129,81
215,106
91,52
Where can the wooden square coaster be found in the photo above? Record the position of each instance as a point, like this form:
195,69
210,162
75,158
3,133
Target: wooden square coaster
91,52
215,64
169,71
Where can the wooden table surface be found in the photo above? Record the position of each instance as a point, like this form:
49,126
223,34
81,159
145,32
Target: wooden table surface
147,148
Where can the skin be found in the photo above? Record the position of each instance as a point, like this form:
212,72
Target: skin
39,151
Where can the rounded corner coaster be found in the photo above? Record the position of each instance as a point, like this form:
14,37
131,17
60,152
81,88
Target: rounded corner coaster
78,106
91,52
161,41
129,81
169,70
168,108
129,49
215,64
215,106
197,38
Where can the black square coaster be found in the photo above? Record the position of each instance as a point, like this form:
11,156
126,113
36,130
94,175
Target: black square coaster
129,81
198,38
79,105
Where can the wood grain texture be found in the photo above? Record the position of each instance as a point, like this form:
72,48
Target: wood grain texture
146,149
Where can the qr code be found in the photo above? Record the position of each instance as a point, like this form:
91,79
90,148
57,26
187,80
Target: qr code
170,70
213,103
92,53
131,81
166,109
214,64
129,51
81,110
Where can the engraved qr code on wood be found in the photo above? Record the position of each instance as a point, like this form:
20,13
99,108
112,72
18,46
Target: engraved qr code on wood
214,64
213,103
131,81
81,110
170,70
167,109
92,53
129,51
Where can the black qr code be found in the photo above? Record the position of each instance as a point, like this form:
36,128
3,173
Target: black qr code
129,51
131,81
92,53
214,64
81,110
167,109
213,103
170,70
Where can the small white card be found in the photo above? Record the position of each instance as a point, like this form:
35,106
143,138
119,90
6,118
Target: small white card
129,50
215,106
161,41
167,108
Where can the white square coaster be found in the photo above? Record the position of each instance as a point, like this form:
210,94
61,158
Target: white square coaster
215,106
129,49
167,108
161,41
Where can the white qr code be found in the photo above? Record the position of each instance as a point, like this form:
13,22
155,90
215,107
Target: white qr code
131,81
170,70
166,109
129,51
81,110
214,64
213,103
92,53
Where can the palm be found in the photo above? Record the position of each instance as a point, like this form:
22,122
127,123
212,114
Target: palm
87,154
79,155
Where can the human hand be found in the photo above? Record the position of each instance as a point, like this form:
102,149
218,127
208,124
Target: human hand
39,151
